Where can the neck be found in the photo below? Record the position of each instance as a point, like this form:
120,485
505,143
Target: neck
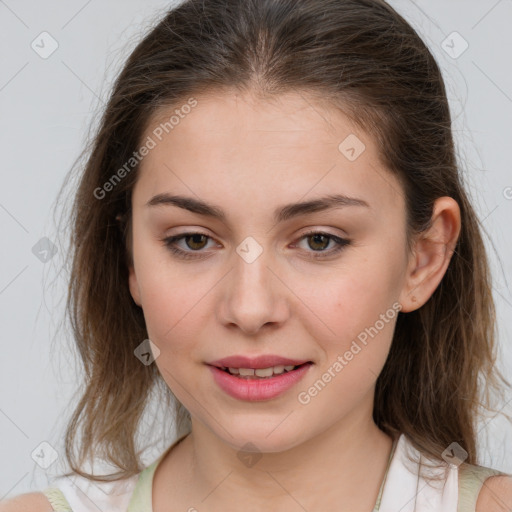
344,470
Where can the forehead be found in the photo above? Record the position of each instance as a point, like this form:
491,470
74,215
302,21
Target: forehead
232,144
274,121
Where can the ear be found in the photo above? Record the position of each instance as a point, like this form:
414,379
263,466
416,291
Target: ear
431,254
134,285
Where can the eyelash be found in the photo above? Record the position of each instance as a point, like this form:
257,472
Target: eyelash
169,242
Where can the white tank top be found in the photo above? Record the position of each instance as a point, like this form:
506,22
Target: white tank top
403,488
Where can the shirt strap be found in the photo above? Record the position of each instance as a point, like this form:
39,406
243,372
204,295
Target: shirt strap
471,480
381,490
142,494
57,500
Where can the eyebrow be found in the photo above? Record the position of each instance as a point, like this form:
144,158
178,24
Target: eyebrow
281,213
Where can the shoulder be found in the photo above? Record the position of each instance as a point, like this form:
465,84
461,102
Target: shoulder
30,502
495,495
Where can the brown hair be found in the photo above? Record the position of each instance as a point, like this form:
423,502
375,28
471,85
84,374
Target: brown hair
356,55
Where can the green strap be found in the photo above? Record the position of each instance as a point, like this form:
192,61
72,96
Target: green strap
471,480
142,496
57,500
141,500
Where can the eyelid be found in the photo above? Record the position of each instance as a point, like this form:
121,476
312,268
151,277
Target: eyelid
325,231
308,231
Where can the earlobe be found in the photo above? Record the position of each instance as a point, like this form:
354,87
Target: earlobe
431,254
134,285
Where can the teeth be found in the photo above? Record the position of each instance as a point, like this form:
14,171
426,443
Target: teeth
264,372
260,372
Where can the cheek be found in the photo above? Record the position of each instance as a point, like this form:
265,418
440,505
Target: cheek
171,309
165,294
175,305
173,323
357,295
356,310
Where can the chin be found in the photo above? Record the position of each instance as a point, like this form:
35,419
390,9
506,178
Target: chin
263,437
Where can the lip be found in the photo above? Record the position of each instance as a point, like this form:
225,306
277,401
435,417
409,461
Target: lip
263,361
257,390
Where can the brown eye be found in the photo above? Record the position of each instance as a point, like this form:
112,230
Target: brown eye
319,241
198,241
193,245
318,244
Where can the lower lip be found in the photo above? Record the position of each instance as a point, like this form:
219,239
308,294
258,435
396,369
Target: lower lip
258,389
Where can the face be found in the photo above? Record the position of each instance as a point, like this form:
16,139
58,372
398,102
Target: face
320,285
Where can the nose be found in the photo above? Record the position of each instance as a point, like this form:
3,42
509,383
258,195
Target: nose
253,296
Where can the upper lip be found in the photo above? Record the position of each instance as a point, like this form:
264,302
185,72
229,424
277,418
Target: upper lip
263,361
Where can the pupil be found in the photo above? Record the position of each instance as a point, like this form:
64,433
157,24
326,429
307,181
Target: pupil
316,237
194,237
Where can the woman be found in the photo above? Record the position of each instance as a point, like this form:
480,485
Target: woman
272,223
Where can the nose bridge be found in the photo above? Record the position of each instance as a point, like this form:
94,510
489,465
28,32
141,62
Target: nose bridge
251,262
253,296
251,277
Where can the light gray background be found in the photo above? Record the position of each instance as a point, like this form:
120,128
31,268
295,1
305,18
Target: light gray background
47,106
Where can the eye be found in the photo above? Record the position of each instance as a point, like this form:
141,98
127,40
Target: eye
319,241
196,241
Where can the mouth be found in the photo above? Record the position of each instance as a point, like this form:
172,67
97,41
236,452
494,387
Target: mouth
262,373
258,384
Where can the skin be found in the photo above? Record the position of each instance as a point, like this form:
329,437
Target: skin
249,156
